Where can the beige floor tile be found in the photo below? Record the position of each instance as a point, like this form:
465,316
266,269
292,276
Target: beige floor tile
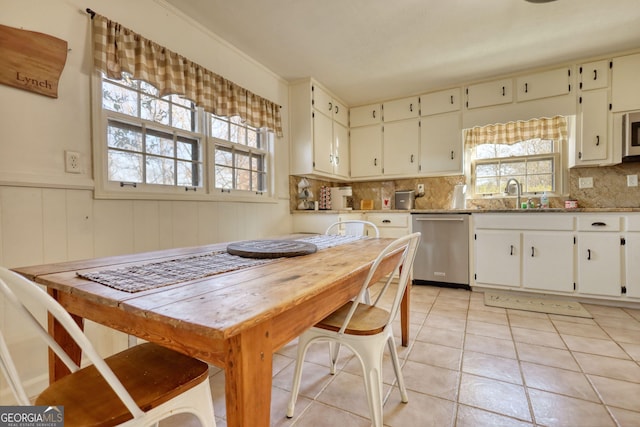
580,330
527,322
633,312
547,356
573,319
437,320
489,317
448,337
560,381
622,335
594,346
420,411
599,311
626,418
632,350
431,380
495,396
621,394
489,345
542,338
626,370
436,355
314,379
487,365
554,410
619,323
488,329
346,392
320,415
474,417
525,313
388,374
448,311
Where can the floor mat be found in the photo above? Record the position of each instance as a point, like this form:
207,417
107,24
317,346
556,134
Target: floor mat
531,303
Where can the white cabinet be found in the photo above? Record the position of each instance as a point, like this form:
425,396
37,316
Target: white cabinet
544,84
490,93
391,225
401,144
442,101
401,109
547,260
319,132
497,257
441,144
366,151
599,255
632,255
365,115
625,83
594,75
593,145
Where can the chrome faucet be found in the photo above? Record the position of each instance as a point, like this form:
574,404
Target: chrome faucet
518,187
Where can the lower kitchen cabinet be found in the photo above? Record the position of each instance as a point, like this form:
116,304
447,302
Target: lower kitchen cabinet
392,224
497,257
599,264
547,261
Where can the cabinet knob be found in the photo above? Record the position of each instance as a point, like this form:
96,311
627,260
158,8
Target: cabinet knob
588,254
412,158
375,161
595,74
452,154
451,99
597,140
373,113
526,88
337,109
533,251
330,106
337,159
411,107
511,253
386,221
504,91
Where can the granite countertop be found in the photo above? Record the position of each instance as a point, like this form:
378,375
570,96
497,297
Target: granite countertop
472,211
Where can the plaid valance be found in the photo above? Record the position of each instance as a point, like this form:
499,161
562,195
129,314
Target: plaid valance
510,133
118,49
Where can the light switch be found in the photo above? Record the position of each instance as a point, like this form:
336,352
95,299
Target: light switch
632,180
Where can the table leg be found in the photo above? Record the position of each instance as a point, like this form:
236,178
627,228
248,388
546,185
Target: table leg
57,369
404,315
248,377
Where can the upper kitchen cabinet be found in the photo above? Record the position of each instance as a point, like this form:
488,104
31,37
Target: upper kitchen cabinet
442,101
544,84
401,145
401,109
319,132
625,83
441,144
592,148
594,75
365,115
490,93
366,151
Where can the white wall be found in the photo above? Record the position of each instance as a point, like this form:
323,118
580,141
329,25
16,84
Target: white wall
47,215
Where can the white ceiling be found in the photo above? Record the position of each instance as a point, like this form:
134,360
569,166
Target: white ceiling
373,50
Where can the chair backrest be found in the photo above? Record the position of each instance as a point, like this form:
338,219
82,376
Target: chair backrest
16,289
352,227
408,245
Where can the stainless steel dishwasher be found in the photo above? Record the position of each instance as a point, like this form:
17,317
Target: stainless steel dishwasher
443,254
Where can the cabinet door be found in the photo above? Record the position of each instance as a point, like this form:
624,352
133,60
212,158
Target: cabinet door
401,109
340,113
593,135
547,261
441,144
625,83
632,255
322,101
322,143
365,115
366,151
340,150
490,93
599,264
442,101
497,257
544,84
401,143
594,75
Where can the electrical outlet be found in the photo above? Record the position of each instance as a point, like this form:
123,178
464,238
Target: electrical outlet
585,182
632,180
420,188
72,162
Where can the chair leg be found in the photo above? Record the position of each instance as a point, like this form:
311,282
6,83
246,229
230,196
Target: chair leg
334,350
396,367
371,366
303,343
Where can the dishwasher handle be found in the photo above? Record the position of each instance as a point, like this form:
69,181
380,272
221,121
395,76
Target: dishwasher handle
459,219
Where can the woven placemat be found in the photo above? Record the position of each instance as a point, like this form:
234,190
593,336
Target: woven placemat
153,275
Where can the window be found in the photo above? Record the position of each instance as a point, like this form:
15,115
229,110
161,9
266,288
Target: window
154,144
241,153
530,152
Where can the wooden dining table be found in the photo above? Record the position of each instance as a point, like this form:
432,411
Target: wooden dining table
234,320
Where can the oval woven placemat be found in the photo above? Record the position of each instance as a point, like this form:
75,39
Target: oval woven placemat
271,248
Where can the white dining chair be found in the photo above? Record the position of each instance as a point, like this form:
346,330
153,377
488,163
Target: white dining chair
137,387
365,329
352,227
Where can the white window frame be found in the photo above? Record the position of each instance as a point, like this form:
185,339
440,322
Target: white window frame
105,189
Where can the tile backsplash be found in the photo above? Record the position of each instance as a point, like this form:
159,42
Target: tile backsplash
609,190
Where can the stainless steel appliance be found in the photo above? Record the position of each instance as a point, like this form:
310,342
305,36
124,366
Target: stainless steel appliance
443,254
405,199
631,133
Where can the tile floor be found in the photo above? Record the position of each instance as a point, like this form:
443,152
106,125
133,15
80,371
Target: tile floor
469,365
